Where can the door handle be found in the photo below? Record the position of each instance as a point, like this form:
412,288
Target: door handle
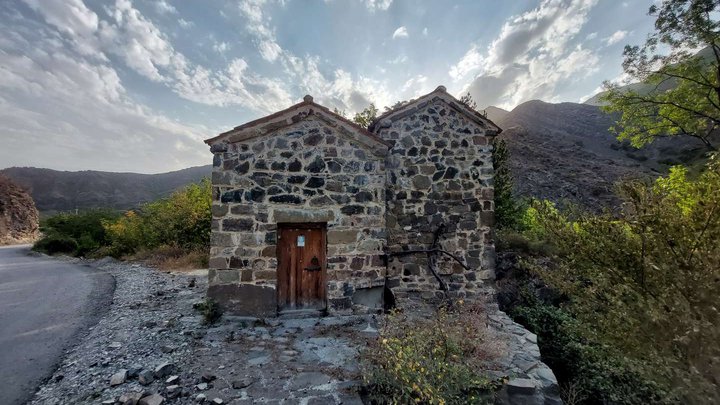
314,265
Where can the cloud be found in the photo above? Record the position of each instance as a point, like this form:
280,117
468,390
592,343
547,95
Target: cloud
184,23
530,57
221,47
401,32
132,37
163,7
616,37
471,61
381,5
80,111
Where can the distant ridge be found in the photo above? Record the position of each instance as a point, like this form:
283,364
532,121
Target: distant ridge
55,190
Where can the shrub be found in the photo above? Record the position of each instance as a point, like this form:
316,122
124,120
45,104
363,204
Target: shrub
442,360
643,284
78,234
54,243
181,220
210,311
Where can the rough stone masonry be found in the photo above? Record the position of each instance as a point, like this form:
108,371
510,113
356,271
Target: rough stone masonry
362,207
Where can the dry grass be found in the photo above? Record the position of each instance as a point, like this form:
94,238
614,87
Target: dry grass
173,258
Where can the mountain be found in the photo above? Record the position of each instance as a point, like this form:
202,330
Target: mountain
55,191
495,114
565,152
19,220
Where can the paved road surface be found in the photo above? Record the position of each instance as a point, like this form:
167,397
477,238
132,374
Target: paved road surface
44,305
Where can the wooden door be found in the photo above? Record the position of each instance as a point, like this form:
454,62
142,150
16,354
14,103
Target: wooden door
301,266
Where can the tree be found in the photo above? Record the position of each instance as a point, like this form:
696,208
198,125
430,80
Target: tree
468,101
365,117
683,97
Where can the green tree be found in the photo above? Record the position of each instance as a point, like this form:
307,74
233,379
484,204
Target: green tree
365,117
681,95
508,210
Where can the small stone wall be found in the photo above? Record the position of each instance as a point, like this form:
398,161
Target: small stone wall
439,172
308,171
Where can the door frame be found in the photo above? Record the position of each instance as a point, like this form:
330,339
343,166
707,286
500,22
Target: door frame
322,226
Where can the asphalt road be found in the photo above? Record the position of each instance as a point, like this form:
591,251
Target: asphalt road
45,305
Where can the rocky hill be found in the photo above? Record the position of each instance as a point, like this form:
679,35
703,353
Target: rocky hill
19,219
55,191
565,152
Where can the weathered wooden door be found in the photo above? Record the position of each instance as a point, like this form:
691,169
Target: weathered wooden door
301,266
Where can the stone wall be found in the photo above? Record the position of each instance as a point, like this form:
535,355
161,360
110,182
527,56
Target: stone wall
439,172
308,171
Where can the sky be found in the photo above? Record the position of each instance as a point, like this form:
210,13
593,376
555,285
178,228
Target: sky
137,85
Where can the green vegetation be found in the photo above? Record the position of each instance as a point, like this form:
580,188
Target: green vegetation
684,90
636,321
365,117
507,208
176,229
75,234
210,311
431,361
181,220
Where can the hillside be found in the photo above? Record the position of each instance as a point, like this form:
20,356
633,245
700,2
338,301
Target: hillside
495,114
565,152
55,190
19,220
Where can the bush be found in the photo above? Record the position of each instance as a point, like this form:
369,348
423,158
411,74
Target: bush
181,220
54,243
642,289
77,234
595,373
210,311
438,361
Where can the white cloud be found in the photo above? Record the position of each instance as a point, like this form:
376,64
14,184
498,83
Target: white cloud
221,47
184,23
381,5
425,31
163,7
616,37
530,57
146,50
471,61
80,110
269,50
591,36
401,32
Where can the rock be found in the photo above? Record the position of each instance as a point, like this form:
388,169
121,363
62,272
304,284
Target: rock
173,391
167,349
118,378
130,398
146,377
115,345
239,384
133,371
217,401
164,370
202,386
207,377
154,399
19,219
108,402
524,386
200,398
172,379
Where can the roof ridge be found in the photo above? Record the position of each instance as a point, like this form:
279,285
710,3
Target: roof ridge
307,102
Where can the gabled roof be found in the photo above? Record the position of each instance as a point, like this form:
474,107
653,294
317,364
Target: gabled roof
298,112
439,93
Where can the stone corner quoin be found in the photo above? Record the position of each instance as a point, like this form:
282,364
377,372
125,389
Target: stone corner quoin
374,193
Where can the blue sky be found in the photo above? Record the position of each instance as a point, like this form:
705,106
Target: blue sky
137,85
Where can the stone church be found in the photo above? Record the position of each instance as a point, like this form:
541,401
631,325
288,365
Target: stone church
312,213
